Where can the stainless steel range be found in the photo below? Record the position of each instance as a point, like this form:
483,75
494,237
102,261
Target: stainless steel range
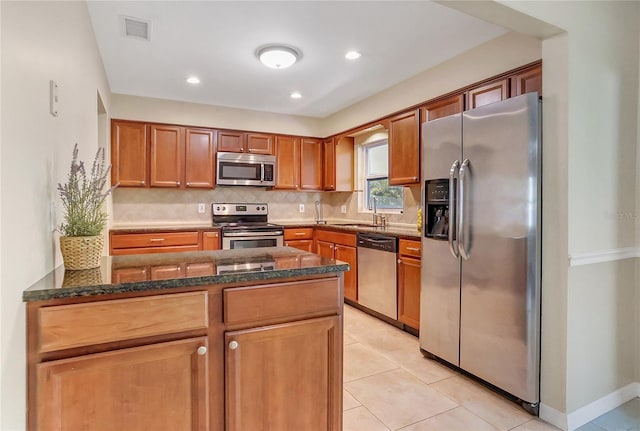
244,225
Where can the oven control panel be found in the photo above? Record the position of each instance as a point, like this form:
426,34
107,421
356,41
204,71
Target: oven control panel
240,209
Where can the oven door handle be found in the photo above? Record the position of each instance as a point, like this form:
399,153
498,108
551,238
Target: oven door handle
252,234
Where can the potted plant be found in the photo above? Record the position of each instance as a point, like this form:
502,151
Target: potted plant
82,196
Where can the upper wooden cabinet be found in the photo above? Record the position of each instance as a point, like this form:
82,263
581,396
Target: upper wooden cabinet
404,148
489,93
527,81
344,150
443,107
329,165
287,163
200,158
129,154
241,142
167,156
311,164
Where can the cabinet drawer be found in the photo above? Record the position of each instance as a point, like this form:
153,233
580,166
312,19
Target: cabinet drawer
336,237
68,326
410,248
281,300
159,239
298,233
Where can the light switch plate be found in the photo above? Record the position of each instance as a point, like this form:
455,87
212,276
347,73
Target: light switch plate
53,98
301,208
201,208
343,209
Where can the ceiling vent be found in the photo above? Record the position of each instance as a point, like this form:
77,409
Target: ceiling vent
137,28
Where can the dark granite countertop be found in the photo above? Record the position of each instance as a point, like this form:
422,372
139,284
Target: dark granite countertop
136,273
167,228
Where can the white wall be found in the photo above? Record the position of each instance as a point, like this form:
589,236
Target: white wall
40,41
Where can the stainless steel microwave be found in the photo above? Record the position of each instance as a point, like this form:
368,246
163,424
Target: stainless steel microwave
240,169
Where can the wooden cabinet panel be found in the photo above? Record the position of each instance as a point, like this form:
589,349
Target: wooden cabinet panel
489,93
286,300
344,149
270,361
76,325
157,387
409,291
130,275
324,248
158,239
199,158
300,244
211,240
287,162
231,141
527,81
129,154
311,164
404,148
329,165
259,143
443,107
342,238
409,248
349,255
298,233
200,269
166,272
167,156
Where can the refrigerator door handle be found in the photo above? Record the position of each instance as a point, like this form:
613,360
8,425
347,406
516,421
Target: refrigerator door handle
461,214
452,208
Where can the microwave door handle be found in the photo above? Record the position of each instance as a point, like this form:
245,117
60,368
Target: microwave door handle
261,172
453,222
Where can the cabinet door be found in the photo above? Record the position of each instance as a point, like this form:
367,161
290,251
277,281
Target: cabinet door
199,158
167,156
489,93
129,154
325,249
527,81
157,387
300,244
409,291
349,255
311,164
329,165
404,148
231,141
285,377
443,107
130,275
344,164
287,162
211,240
259,143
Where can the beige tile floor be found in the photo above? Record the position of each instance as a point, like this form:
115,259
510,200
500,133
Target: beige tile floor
388,385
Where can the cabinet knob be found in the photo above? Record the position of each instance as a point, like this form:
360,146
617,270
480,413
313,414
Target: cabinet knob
399,261
201,351
415,178
188,184
142,183
242,150
233,345
249,150
177,183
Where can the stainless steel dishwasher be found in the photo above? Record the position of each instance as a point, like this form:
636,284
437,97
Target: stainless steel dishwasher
377,273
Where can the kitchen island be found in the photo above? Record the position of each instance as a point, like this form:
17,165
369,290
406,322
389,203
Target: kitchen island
233,339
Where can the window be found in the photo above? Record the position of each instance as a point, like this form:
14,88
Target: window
376,179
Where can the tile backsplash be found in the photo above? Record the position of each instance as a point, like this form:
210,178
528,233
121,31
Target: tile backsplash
155,207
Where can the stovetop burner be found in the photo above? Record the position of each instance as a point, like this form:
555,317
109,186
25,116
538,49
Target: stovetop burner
242,217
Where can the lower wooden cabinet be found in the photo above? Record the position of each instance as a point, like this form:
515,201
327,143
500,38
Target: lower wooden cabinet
340,246
265,364
161,386
142,242
409,283
300,238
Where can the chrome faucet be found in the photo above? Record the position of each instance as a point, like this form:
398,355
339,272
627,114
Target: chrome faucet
319,218
378,219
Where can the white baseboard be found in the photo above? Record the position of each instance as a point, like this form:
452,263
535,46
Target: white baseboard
583,415
604,256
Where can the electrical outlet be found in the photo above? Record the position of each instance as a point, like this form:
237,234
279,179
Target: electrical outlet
201,208
301,208
343,209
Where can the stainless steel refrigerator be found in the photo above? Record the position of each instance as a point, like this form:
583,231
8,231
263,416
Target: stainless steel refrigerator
480,295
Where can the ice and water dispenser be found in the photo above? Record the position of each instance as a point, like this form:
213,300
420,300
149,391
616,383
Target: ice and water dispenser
437,209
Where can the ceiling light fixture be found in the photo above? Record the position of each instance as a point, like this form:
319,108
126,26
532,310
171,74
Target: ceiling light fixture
193,80
278,56
296,95
352,55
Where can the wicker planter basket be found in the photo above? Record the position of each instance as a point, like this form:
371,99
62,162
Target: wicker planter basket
81,252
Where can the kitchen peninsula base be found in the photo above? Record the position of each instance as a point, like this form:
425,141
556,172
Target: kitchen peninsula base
252,351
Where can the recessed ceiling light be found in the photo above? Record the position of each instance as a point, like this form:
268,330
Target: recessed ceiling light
296,95
352,55
278,56
193,80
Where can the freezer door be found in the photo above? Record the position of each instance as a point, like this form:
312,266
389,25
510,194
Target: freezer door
500,295
440,277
